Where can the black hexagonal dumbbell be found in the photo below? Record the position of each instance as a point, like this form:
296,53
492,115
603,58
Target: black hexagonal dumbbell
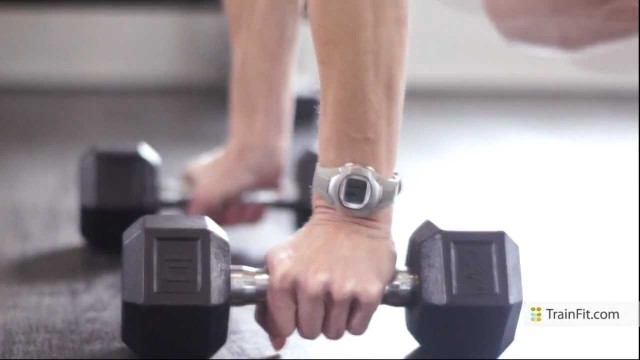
118,184
462,290
306,108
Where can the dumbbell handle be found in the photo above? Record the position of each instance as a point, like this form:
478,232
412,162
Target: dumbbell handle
183,201
249,286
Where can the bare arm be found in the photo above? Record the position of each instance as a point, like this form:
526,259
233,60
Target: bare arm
361,49
329,277
263,36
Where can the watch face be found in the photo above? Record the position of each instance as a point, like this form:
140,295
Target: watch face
355,192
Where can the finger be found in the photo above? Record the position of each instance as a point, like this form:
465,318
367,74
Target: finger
360,317
278,342
233,213
188,180
311,305
216,210
247,213
216,214
197,205
188,175
260,316
204,204
255,212
281,306
280,323
363,309
335,322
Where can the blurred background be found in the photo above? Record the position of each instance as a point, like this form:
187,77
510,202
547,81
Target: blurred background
497,135
183,44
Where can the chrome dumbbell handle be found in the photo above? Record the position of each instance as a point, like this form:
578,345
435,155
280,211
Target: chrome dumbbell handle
249,286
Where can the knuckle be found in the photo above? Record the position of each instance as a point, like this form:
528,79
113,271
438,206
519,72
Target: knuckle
315,285
278,260
272,258
371,294
281,281
342,294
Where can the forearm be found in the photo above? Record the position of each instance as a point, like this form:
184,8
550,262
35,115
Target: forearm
263,37
361,49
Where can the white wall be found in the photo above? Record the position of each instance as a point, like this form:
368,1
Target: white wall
111,47
141,47
453,44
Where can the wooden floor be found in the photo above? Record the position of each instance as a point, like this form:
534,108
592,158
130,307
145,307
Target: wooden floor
559,175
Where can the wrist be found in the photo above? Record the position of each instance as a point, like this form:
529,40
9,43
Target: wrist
264,161
380,219
250,149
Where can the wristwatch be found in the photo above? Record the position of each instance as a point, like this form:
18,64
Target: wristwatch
355,189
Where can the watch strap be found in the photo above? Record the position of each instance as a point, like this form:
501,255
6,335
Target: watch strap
390,189
321,180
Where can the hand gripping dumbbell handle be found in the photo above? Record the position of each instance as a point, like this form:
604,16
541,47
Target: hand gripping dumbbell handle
249,286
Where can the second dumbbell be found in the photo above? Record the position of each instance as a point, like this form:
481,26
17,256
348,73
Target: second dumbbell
119,184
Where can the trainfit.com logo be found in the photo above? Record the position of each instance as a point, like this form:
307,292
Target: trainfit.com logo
564,315
536,314
581,314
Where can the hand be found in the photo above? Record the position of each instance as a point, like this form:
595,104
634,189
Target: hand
328,278
567,24
218,179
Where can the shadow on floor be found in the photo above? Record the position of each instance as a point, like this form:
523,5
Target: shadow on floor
124,353
81,263
121,352
419,353
63,265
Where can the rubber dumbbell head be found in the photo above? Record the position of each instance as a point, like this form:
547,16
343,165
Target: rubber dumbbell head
178,285
306,108
118,184
175,286
470,293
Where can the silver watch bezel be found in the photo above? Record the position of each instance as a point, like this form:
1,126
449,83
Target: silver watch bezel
338,182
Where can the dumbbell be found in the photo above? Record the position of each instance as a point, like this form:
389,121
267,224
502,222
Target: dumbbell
462,290
306,108
118,184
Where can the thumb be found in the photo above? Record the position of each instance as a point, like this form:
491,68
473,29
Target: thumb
260,315
203,203
198,203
